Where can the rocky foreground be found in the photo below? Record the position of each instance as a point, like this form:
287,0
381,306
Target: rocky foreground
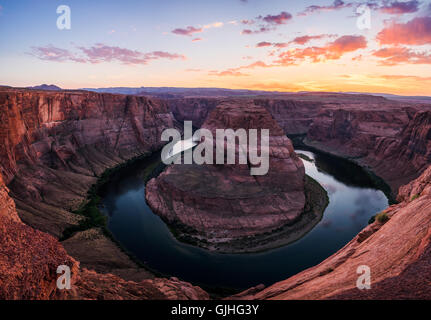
398,253
53,145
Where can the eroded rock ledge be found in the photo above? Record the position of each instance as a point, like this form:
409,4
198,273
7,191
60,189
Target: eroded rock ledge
398,253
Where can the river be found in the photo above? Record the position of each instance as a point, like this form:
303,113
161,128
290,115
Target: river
353,199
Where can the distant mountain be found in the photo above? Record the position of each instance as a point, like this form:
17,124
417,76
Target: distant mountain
414,99
50,87
175,92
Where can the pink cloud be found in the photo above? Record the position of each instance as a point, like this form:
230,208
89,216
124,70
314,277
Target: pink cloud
336,5
269,23
298,40
263,44
398,7
51,53
332,51
281,18
280,45
237,71
399,55
247,22
197,39
101,53
414,32
262,29
305,39
188,31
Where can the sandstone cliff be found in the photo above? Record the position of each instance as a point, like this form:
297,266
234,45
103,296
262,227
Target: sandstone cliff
388,137
53,145
193,109
381,139
398,253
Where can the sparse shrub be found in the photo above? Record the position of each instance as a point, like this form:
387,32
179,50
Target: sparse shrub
417,195
372,219
382,217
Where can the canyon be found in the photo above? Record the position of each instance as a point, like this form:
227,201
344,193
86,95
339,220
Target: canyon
55,144
223,207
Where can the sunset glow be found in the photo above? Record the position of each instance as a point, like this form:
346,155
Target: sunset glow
266,45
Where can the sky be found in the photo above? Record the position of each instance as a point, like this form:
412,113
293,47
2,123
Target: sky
281,45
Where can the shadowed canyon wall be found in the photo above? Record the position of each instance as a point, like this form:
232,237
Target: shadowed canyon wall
53,145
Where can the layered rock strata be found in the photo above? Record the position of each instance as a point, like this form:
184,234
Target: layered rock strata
53,146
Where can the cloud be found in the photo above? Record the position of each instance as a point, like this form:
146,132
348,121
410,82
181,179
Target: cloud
247,22
263,44
332,51
305,39
51,53
397,7
298,40
260,30
229,72
214,25
101,53
268,22
197,39
405,77
191,31
281,18
399,55
237,71
188,31
336,5
414,32
280,45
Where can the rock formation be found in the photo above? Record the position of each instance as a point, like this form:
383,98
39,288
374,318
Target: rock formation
223,203
387,136
52,147
398,253
193,109
28,268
